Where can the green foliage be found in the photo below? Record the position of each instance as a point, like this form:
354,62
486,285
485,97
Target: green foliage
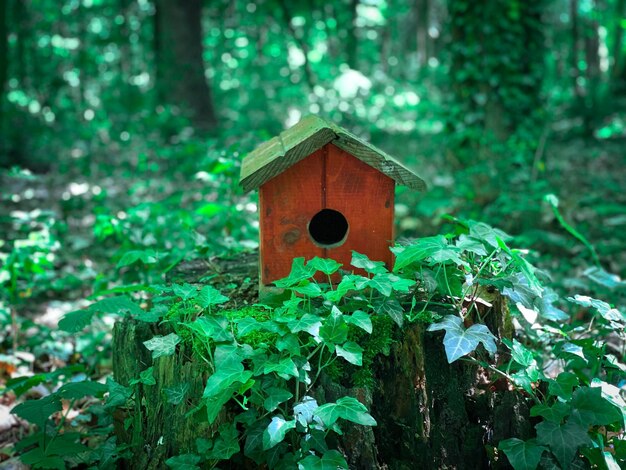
126,187
459,341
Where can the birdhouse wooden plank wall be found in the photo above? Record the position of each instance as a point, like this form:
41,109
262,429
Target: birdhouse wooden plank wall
322,192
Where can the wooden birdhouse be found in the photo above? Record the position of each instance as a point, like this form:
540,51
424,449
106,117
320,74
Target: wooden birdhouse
322,192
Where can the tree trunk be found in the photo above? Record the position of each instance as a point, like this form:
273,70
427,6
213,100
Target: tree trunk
491,100
157,430
301,40
422,8
351,39
181,80
430,414
4,49
4,67
618,37
575,69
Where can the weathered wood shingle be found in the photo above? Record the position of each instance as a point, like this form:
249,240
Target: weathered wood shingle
310,134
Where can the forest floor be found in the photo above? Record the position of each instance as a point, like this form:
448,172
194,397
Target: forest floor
587,176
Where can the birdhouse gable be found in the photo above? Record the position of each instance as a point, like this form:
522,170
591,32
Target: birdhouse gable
309,135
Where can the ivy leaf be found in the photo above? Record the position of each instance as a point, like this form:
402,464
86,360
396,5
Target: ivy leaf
118,394
145,377
308,288
563,385
84,388
226,353
37,458
325,265
276,431
604,309
523,455
38,411
390,306
75,321
227,443
483,232
247,325
362,261
276,396
254,440
524,266
216,328
176,394
563,439
604,278
299,272
571,348
183,462
210,296
471,245
361,319
519,353
316,439
289,343
612,394
345,285
459,342
434,248
520,290
308,322
214,403
305,410
131,257
285,368
203,446
331,460
347,408
591,409
547,309
351,352
227,374
334,329
185,292
162,345
400,284
381,283
555,413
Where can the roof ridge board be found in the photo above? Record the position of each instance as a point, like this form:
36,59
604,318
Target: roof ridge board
309,135
258,168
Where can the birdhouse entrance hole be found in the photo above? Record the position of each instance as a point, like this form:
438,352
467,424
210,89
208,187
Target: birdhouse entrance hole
328,228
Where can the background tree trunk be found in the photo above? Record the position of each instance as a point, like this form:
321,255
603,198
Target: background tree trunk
181,80
422,12
4,67
4,50
351,39
618,38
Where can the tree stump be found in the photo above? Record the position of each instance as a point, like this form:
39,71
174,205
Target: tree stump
430,414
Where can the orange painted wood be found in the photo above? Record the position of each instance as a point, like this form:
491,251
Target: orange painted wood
366,198
329,178
286,205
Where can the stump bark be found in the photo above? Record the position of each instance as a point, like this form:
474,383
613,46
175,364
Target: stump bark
430,414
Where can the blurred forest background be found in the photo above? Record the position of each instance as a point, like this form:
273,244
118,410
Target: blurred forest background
111,104
123,124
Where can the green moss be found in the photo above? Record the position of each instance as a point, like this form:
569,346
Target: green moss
378,342
258,313
257,337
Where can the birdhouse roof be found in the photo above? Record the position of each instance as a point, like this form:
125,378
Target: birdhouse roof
310,134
